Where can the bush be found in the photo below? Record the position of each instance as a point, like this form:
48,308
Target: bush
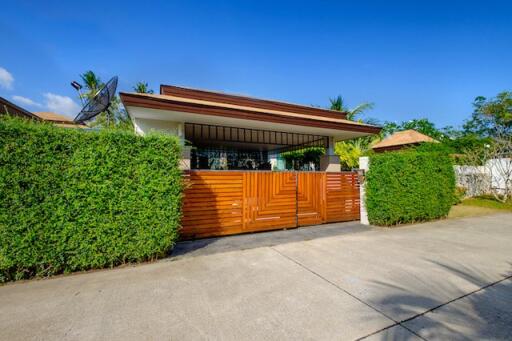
72,199
409,186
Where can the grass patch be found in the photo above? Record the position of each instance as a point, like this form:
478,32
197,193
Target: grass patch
473,207
488,202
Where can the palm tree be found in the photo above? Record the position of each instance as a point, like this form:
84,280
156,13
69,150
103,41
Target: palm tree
338,104
142,88
92,83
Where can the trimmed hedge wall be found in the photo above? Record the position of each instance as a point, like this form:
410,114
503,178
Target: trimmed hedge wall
409,186
73,200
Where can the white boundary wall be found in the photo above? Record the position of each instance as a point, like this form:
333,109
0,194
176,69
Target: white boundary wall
494,176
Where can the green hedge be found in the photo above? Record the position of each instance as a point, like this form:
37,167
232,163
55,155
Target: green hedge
409,186
72,199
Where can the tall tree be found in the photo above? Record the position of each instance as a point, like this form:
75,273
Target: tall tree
491,117
142,88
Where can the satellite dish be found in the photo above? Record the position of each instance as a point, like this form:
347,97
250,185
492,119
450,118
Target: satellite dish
99,103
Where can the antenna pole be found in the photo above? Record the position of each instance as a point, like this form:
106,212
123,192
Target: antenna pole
81,97
109,113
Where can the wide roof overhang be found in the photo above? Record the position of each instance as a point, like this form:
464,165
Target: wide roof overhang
194,110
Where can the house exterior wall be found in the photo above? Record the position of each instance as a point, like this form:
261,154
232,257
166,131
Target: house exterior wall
143,126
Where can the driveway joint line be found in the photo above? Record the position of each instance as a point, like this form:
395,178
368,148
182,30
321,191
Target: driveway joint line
457,298
351,295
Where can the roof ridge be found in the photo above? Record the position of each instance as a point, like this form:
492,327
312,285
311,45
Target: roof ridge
217,92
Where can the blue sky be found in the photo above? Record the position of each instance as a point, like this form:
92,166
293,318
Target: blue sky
412,59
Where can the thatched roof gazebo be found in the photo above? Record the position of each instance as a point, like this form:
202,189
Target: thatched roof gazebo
402,139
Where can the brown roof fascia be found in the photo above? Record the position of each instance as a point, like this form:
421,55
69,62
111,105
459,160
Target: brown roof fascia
130,99
15,110
206,95
396,147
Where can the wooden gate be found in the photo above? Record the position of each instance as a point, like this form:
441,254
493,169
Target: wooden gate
220,203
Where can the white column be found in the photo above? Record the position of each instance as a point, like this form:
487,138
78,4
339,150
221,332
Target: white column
330,149
364,166
330,162
180,131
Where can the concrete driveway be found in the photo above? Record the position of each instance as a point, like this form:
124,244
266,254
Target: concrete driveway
437,281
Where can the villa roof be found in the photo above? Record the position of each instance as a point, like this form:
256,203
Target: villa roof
58,119
53,117
203,102
402,138
247,101
13,109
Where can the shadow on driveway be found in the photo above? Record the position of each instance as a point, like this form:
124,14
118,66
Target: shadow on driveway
484,314
209,246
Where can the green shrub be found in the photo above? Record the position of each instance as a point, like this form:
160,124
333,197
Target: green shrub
72,199
409,186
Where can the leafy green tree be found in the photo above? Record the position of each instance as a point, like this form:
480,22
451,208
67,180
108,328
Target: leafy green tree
142,88
422,125
462,144
491,117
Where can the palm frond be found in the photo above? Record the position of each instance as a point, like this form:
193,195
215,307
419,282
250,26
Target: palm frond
337,104
362,108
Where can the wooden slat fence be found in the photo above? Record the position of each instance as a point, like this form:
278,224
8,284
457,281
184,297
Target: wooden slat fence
220,203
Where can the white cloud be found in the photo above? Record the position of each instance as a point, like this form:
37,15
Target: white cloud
26,101
61,104
6,79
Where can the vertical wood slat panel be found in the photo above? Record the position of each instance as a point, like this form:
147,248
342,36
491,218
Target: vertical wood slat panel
220,203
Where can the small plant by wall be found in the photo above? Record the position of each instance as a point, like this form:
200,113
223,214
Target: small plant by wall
409,186
74,200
